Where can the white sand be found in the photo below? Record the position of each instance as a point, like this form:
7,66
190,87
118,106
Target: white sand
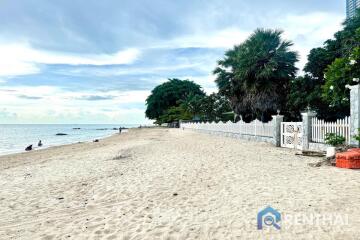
171,184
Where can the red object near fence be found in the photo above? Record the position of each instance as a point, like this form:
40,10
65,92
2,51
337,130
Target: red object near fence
349,159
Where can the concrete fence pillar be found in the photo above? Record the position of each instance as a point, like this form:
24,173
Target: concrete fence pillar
277,120
354,113
306,128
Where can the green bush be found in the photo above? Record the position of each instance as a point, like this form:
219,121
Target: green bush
334,139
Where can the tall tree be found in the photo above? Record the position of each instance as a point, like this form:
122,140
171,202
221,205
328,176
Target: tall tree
169,94
255,75
329,97
341,73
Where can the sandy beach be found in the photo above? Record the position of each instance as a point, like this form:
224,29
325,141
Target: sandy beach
172,184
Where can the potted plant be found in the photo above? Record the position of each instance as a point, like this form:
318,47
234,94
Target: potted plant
334,141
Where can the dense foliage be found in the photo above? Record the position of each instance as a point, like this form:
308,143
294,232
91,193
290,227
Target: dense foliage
169,94
342,72
329,69
214,107
184,100
174,114
304,91
255,75
334,139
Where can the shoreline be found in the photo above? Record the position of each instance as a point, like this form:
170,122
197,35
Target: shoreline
44,147
24,155
37,149
164,183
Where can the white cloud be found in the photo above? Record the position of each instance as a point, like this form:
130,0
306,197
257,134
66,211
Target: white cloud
206,82
223,38
309,31
47,104
70,115
10,66
21,59
132,70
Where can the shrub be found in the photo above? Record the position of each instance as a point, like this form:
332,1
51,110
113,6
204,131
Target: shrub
334,139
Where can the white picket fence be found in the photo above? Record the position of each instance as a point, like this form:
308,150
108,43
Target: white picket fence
255,128
320,128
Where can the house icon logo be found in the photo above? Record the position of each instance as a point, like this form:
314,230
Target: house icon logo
269,217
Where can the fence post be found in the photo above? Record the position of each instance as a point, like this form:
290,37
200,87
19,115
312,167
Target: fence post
306,128
277,120
354,113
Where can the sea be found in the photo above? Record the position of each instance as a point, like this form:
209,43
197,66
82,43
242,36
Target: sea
14,138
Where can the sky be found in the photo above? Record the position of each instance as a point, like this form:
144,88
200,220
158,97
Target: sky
91,61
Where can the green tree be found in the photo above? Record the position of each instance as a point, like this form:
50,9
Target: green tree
208,108
193,105
304,91
174,114
329,97
169,94
337,77
255,75
341,73
341,45
215,107
318,60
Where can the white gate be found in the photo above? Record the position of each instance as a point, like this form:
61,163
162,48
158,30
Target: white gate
291,135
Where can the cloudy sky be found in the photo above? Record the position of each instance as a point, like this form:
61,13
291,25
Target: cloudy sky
91,61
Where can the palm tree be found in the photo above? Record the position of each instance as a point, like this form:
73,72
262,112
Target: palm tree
255,75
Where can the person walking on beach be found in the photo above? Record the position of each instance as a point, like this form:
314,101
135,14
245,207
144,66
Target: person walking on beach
119,130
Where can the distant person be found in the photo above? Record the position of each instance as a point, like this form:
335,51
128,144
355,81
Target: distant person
40,143
119,130
28,148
